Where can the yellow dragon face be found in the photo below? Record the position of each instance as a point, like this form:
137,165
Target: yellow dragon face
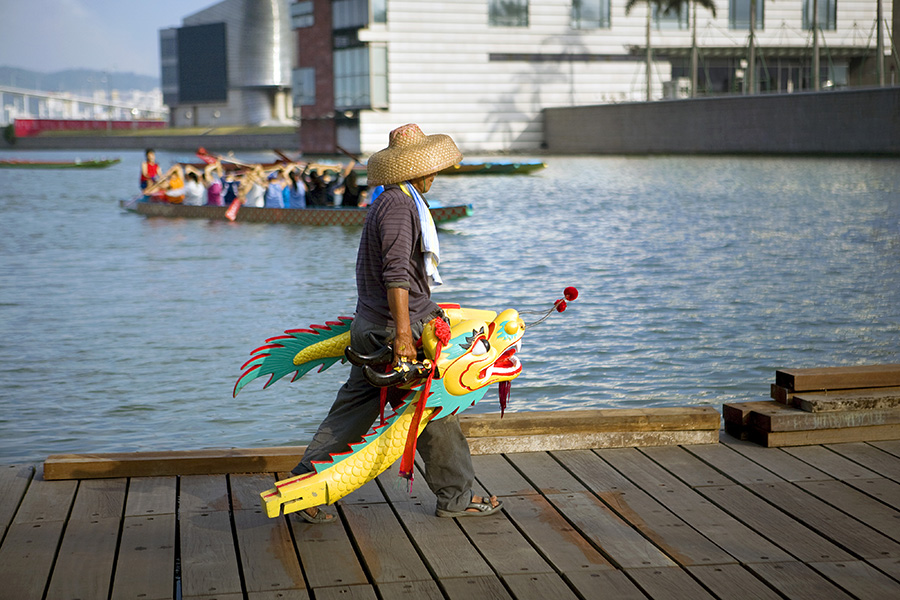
481,351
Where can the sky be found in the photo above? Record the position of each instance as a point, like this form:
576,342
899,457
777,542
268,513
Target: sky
114,35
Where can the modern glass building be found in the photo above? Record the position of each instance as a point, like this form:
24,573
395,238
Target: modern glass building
483,70
229,64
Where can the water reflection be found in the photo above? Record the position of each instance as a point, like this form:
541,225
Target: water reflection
698,277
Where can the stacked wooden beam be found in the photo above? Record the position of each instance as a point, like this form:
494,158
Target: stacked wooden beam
822,406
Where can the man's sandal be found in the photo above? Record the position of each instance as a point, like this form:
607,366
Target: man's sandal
483,509
320,517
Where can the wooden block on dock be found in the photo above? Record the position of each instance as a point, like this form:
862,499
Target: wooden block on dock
810,437
771,423
848,400
736,416
838,378
774,417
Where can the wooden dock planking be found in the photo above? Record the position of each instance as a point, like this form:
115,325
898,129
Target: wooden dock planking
723,521
772,523
868,510
859,578
732,582
725,531
778,461
871,457
670,583
14,481
682,543
758,514
86,558
798,581
145,566
442,543
267,554
828,521
552,536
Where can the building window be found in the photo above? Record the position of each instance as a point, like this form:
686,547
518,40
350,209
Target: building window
739,14
302,15
508,13
827,14
303,86
379,82
379,11
351,78
671,19
349,14
590,14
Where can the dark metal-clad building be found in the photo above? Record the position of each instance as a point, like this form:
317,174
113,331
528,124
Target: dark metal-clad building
229,64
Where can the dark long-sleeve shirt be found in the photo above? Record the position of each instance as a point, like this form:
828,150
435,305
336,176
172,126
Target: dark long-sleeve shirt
389,256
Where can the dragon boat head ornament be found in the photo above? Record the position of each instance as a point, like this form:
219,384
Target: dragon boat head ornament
460,360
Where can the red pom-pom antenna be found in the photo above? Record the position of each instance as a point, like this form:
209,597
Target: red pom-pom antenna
570,294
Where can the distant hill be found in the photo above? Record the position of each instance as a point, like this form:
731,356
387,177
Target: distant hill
82,82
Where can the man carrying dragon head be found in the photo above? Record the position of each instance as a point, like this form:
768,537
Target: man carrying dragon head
396,268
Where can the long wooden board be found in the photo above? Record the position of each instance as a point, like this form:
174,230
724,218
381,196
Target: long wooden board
184,462
487,433
838,378
580,441
570,422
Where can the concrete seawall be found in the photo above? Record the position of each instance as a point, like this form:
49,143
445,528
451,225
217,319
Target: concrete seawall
859,122
216,143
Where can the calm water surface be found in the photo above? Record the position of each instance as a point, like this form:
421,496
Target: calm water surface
698,278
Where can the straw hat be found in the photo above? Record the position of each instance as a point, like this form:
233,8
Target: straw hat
410,154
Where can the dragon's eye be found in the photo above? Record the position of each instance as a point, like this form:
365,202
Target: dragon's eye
480,347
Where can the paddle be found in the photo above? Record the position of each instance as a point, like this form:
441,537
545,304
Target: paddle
349,154
209,159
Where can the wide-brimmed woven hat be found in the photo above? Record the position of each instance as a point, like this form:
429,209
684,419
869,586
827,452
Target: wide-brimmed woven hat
410,154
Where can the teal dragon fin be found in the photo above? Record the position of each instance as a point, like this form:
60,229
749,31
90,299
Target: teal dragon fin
298,351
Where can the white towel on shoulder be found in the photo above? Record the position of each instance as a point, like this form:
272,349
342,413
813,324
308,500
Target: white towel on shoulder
431,248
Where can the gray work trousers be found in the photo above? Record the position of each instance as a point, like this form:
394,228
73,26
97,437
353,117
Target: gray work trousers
443,447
